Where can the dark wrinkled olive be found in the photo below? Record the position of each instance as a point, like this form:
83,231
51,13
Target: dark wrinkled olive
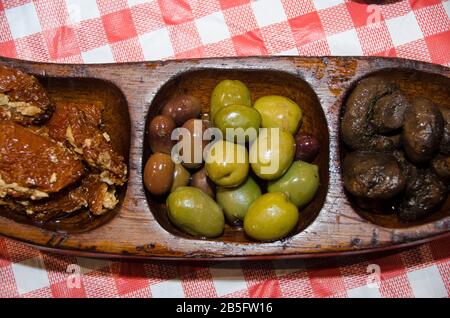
196,139
422,130
424,194
408,169
389,112
159,134
366,113
182,107
445,142
373,175
377,206
158,173
201,181
307,147
441,166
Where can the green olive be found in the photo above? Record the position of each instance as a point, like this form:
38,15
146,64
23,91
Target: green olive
270,217
272,153
195,213
229,92
234,117
236,201
180,177
280,112
300,183
227,163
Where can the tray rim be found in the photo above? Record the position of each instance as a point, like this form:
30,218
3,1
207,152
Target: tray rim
269,257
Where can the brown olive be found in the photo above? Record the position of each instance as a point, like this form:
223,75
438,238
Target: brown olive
196,139
182,107
307,147
201,181
158,173
159,134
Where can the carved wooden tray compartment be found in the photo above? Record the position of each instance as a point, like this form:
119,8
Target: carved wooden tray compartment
134,92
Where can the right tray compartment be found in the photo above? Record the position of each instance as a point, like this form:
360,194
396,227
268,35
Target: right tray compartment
414,83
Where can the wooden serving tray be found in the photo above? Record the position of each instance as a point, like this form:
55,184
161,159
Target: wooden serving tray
134,92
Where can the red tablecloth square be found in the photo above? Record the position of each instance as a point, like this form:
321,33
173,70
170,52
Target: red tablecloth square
416,49
268,289
335,19
393,9
147,17
226,4
295,8
427,18
130,277
390,266
119,26
175,11
61,290
417,4
397,286
107,6
193,53
197,283
240,19
378,31
93,33
307,28
363,14
8,49
319,47
438,45
123,50
60,35
184,37
326,282
52,14
249,43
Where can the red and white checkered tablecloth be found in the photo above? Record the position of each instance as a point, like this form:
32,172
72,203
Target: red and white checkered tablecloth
89,31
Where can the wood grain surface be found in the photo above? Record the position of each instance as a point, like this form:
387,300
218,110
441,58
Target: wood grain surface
134,92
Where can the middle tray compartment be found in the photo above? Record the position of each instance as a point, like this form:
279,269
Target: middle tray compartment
200,83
